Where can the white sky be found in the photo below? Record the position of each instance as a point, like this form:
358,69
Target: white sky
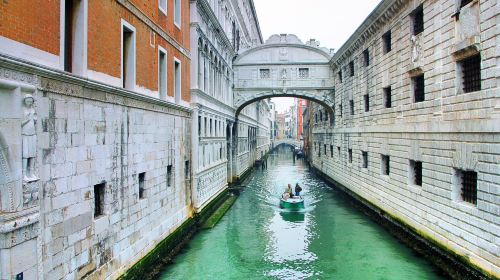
329,21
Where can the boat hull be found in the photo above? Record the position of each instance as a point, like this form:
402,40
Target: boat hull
292,205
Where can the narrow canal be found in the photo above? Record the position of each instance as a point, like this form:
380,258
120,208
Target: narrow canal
330,239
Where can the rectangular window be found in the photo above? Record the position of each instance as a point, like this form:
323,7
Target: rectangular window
331,150
162,74
128,57
464,3
340,109
177,81
142,178
265,73
350,155
387,97
367,102
419,88
177,13
366,55
338,151
99,199
351,104
340,76
325,149
74,37
162,4
351,68
199,126
467,181
471,73
169,175
385,164
387,41
303,73
365,159
68,35
418,20
186,170
415,173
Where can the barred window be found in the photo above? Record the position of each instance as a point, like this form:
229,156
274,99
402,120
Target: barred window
265,73
350,155
366,55
418,20
385,164
471,73
419,88
303,73
99,199
338,151
169,175
351,68
468,185
340,76
142,180
387,41
340,109
416,172
331,150
367,102
364,155
351,104
387,97
325,149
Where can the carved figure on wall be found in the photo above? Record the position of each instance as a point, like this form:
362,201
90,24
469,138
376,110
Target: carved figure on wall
416,48
283,74
28,131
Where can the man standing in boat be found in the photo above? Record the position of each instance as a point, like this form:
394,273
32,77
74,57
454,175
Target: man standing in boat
298,189
289,191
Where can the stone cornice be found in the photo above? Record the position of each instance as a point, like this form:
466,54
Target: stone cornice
149,22
370,27
204,36
204,7
68,84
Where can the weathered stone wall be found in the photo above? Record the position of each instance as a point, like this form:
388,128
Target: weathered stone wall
449,131
88,134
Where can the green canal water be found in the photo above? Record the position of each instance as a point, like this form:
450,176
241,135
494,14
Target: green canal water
329,239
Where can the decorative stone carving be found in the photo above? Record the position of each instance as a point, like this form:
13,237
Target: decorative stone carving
29,139
416,48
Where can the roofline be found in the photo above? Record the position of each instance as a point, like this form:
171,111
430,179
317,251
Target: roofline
254,12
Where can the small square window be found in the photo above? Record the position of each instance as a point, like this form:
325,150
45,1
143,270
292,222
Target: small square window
350,155
418,20
351,68
367,102
467,182
99,190
471,73
364,155
303,73
366,56
387,41
265,73
351,105
415,173
385,164
419,88
387,97
142,179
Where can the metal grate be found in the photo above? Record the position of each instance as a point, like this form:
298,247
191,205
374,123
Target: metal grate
99,199
464,3
385,165
471,73
351,68
417,173
303,73
325,149
469,186
387,97
419,88
367,102
142,179
340,109
350,155
366,55
265,73
351,104
365,159
418,20
386,38
331,150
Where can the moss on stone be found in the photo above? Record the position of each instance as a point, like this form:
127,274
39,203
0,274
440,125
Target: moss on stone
219,213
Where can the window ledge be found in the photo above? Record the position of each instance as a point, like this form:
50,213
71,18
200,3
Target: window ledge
466,48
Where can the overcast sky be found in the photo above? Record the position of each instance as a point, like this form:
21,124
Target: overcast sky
329,21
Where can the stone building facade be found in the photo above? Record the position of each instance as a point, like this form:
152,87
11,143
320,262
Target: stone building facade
416,123
95,131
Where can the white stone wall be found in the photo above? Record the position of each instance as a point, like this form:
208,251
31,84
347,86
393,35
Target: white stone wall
87,135
450,130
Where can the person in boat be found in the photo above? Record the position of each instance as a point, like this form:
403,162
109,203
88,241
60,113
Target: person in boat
298,189
288,192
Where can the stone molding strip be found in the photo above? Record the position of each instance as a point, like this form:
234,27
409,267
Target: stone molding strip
146,20
59,82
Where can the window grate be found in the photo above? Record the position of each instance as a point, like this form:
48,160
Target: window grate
351,104
303,73
365,159
350,155
367,102
351,68
265,73
331,150
387,97
142,179
419,88
99,199
325,149
366,55
469,186
386,38
418,20
385,165
417,172
340,109
471,71
340,76
464,3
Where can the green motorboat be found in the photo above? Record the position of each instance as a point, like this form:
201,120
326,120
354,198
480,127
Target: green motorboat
292,203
